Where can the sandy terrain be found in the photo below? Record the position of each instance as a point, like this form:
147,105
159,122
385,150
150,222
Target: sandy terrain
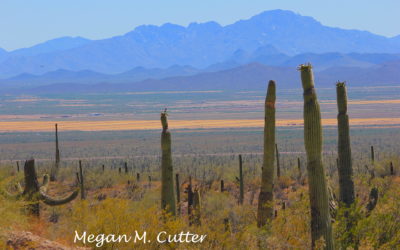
25,126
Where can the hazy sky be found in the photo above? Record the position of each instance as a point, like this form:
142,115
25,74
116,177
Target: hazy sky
24,23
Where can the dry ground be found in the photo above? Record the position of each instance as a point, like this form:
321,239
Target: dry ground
116,125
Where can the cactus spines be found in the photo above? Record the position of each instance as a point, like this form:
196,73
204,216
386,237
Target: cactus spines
241,187
319,203
278,167
265,210
33,193
345,168
54,169
167,178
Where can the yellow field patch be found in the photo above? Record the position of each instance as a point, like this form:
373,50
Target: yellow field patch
115,125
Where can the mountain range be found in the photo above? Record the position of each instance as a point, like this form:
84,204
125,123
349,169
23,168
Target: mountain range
253,76
276,39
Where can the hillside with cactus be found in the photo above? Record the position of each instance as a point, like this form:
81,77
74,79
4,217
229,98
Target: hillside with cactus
337,184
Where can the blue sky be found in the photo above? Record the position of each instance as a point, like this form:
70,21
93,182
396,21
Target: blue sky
24,23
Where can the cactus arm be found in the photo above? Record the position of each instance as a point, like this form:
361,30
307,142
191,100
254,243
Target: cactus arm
45,183
19,188
56,202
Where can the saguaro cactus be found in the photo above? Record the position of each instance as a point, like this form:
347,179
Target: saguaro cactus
33,193
319,204
178,193
241,187
372,155
81,181
167,177
299,169
391,169
196,207
55,168
373,200
265,200
126,167
345,168
189,191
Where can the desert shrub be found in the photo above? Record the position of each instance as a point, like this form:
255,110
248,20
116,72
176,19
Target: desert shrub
12,216
382,228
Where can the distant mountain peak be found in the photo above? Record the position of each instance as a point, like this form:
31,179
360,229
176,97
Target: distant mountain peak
268,37
210,24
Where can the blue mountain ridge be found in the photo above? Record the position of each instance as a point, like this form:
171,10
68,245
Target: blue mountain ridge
202,44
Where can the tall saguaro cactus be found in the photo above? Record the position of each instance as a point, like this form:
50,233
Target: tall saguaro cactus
265,200
319,203
81,181
167,178
55,168
345,168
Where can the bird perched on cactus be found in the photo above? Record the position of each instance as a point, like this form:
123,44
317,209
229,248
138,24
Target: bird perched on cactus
167,178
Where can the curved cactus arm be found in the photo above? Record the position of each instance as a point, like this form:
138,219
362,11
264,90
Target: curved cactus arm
46,179
54,202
